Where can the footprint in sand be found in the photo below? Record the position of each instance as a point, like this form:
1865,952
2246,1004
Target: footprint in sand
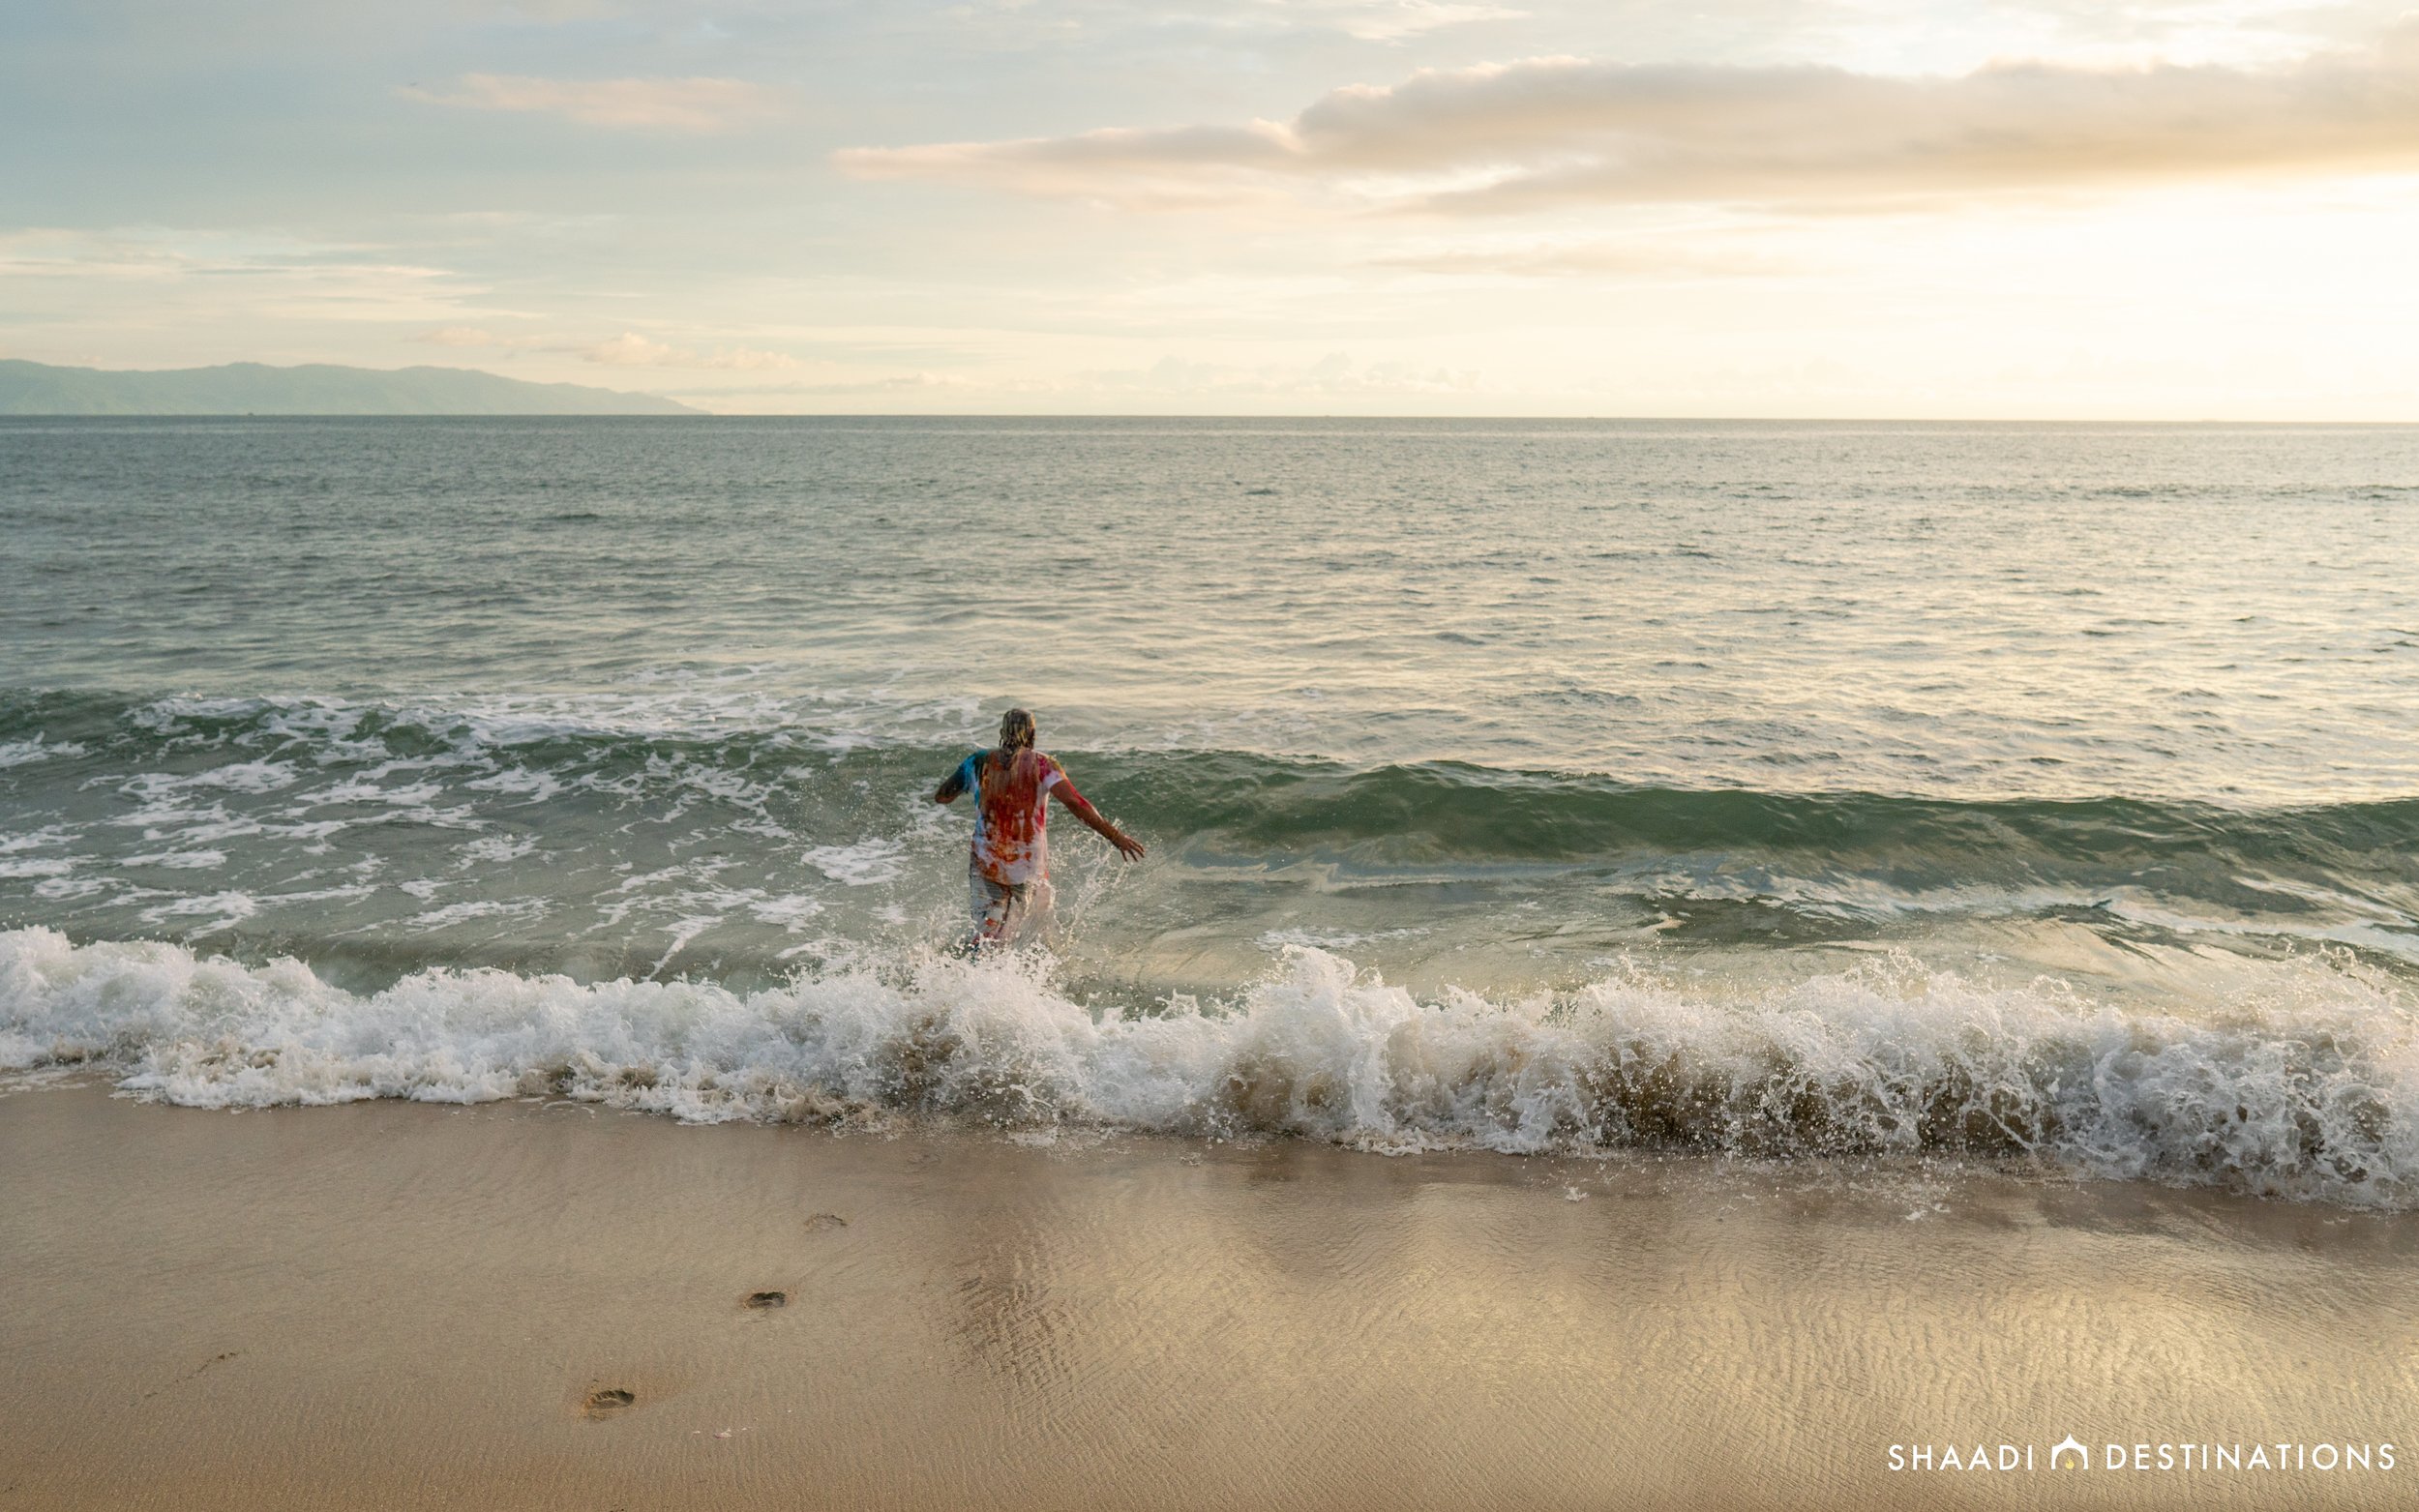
820,1222
766,1299
609,1401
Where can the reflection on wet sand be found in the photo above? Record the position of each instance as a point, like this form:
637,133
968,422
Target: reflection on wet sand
524,1306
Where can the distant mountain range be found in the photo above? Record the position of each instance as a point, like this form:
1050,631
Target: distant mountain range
251,388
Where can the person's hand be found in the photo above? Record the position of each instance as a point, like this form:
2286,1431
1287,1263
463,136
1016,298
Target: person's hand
1127,845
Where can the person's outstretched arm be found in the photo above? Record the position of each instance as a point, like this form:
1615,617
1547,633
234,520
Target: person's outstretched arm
1078,805
960,780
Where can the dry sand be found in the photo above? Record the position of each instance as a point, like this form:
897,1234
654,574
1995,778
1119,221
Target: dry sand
401,1306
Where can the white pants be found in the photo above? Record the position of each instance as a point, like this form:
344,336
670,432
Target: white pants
1006,913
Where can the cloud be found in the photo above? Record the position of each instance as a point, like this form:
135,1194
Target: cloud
672,105
214,274
633,350
1366,20
459,336
1393,20
1680,261
1552,132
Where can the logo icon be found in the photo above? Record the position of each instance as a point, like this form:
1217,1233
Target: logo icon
2082,1456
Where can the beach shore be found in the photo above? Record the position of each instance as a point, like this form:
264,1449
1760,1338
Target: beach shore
398,1305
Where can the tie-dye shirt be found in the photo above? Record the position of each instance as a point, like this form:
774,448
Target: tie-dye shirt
1011,809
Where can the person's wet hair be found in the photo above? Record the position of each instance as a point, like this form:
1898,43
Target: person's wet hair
1016,730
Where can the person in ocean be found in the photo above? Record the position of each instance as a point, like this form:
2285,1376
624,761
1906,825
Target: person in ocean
1008,872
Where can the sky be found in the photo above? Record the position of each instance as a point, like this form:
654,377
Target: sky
2168,209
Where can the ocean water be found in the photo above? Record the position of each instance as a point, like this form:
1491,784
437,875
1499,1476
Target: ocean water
2043,796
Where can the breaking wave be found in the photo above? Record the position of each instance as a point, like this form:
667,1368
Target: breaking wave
2310,1090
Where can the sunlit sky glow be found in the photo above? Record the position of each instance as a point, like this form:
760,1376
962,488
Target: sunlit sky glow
2171,209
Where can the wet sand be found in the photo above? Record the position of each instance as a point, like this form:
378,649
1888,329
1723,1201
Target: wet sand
404,1306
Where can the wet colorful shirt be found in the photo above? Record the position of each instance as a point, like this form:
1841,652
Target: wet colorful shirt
1011,808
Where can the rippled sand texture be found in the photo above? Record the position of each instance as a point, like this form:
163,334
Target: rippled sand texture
396,1305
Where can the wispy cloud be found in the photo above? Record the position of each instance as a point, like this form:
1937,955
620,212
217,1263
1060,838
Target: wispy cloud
460,336
1668,259
670,105
633,350
1552,132
263,276
1392,21
1368,20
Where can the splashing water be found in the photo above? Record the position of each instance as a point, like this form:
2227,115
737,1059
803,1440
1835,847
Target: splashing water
2314,1095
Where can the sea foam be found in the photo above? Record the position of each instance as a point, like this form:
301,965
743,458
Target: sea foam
2313,1093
